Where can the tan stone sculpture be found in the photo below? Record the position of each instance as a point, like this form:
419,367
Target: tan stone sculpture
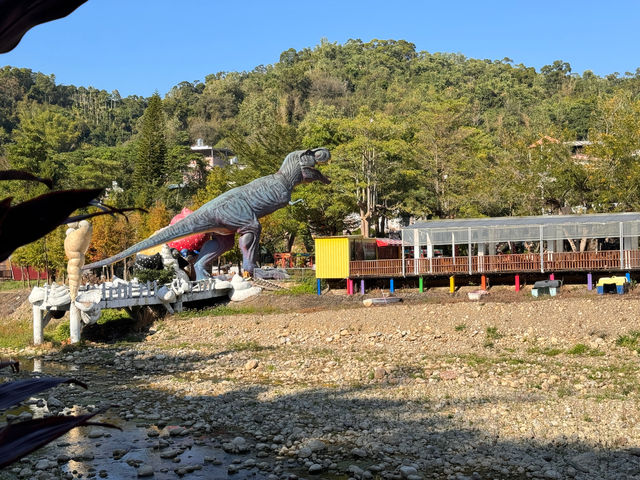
76,245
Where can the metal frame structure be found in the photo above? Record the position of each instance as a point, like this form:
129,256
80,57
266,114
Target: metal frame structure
482,235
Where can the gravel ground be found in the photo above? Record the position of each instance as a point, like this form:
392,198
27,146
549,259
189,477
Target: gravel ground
545,388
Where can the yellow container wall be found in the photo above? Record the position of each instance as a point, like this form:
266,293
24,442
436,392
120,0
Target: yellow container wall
332,257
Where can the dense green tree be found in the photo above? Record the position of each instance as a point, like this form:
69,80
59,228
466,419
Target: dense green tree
412,134
149,174
615,164
43,133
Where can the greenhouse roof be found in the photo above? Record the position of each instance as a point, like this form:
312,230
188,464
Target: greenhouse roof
521,229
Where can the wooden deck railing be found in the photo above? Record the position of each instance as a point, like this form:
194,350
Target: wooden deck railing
579,261
525,262
376,268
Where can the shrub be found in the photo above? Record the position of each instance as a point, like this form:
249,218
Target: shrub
163,276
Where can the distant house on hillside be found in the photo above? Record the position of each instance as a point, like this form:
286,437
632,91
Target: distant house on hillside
576,148
214,157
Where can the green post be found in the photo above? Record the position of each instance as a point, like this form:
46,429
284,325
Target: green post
421,285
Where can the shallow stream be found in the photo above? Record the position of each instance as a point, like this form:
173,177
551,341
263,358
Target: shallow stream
109,453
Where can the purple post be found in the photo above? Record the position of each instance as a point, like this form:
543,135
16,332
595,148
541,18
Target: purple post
589,282
362,286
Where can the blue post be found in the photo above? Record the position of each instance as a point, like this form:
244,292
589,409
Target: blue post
589,281
362,286
319,287
628,277
391,289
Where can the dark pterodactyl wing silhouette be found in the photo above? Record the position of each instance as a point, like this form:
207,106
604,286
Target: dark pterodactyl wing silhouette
18,16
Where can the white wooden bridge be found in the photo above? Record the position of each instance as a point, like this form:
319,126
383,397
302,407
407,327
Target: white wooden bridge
95,298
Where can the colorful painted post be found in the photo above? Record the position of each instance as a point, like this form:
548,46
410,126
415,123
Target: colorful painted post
589,281
391,289
483,282
517,283
421,284
452,284
319,287
552,277
628,277
362,286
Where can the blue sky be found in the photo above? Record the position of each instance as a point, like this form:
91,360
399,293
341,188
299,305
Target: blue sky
140,46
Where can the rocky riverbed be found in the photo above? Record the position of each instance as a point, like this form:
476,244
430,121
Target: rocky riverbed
418,390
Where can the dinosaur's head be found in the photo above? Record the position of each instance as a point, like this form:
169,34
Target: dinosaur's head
308,159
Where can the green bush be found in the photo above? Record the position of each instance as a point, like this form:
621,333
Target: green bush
631,340
110,315
145,275
61,333
306,286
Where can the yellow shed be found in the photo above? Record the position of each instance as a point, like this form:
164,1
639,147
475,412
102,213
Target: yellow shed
333,254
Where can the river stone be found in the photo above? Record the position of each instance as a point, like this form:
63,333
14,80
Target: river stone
43,464
406,471
315,468
304,452
169,453
95,433
583,462
358,452
145,471
54,402
237,445
379,373
26,472
251,364
356,470
316,445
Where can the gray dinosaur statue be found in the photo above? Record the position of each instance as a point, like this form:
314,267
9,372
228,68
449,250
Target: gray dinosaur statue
237,211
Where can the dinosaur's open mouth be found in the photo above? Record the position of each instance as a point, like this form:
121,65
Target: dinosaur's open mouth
310,174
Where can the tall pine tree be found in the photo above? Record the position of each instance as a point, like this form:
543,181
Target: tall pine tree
150,168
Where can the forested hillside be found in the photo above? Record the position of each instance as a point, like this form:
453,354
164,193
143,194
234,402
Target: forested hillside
413,134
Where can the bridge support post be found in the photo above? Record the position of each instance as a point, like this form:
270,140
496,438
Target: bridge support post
362,286
517,283
421,284
38,325
452,284
552,277
319,286
483,282
75,324
391,287
589,281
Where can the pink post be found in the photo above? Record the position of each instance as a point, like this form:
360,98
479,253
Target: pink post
552,277
517,283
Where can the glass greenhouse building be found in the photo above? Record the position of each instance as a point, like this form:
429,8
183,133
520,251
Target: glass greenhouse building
597,242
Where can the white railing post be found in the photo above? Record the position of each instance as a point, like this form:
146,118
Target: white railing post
416,250
541,249
469,252
621,246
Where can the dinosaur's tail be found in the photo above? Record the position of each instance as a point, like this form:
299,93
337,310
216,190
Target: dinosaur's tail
179,229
